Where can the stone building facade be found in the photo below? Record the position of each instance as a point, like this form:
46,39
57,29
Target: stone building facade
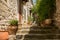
15,9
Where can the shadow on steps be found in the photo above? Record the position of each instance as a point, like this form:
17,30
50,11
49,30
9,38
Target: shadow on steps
42,33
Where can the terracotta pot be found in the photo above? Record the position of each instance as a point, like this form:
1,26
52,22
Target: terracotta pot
12,29
47,21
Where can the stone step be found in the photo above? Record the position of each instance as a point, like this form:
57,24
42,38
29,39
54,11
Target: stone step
43,36
38,39
40,36
38,31
35,27
35,34
24,27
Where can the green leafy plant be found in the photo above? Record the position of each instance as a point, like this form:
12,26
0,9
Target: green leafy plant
44,8
13,22
30,18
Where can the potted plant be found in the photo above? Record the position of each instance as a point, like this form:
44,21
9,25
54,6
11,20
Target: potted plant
30,20
13,27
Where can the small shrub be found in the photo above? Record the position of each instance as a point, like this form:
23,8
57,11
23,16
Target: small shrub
13,22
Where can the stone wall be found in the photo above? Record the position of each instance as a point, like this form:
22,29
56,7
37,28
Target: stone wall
8,10
57,14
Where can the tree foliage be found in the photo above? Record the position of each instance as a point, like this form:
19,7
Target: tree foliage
44,8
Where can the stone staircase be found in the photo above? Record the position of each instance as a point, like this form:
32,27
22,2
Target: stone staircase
37,33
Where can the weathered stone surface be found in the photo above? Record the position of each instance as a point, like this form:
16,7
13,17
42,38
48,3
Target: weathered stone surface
8,11
57,14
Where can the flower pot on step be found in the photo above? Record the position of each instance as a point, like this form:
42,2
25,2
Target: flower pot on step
12,30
